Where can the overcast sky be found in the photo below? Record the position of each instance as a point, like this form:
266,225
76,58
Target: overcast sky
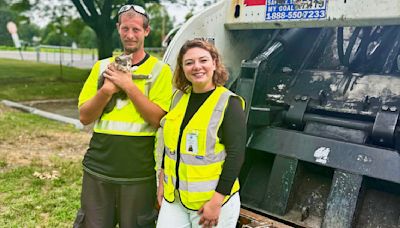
176,11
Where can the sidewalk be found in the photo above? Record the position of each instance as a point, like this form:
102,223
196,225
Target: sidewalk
84,61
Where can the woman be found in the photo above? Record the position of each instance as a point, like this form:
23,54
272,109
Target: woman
204,136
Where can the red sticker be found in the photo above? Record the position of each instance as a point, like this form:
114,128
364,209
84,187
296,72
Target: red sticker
254,2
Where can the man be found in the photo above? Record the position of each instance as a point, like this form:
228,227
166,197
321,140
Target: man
119,178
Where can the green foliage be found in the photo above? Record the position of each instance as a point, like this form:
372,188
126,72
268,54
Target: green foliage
28,124
160,25
26,80
3,4
55,38
27,31
74,28
19,7
87,38
6,16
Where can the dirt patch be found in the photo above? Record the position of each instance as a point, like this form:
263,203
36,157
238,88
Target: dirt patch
42,147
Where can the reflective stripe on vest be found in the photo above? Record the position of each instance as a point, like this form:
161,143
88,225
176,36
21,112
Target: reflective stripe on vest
109,125
203,186
192,160
153,76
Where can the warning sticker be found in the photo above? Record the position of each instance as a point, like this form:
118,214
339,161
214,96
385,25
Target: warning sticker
285,10
254,2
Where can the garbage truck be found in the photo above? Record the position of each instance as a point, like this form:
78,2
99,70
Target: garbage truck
321,81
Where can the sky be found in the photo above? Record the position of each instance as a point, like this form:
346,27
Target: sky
176,11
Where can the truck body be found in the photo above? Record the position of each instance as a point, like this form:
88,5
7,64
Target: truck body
321,81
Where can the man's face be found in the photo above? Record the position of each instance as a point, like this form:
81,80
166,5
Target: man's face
132,33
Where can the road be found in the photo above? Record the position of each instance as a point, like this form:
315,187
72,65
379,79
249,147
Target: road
67,59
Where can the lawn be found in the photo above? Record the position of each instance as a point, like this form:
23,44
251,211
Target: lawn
27,80
40,159
40,170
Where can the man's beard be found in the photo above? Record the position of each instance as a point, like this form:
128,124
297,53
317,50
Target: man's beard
130,50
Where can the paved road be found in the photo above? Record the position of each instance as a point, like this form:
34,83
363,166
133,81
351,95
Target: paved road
67,59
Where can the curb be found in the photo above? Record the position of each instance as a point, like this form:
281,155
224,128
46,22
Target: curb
45,114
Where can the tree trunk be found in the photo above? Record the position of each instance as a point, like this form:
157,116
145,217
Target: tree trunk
104,30
105,44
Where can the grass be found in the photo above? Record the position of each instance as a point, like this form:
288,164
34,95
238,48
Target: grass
28,201
28,80
28,124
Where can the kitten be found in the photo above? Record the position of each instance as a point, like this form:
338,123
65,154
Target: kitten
122,63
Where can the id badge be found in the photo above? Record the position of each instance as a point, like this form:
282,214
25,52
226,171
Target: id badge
192,142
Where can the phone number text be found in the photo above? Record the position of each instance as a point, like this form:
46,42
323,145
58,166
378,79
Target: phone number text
296,15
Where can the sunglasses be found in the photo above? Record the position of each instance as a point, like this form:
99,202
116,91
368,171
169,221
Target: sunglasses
136,8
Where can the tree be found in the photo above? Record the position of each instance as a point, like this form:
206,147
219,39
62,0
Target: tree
3,4
101,16
53,34
87,38
19,7
27,31
6,15
74,28
160,24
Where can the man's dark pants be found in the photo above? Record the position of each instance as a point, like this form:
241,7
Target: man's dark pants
105,204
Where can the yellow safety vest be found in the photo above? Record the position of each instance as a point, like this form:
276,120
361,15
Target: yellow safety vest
202,155
124,119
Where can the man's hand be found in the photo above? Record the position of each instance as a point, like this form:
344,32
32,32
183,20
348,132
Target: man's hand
109,87
210,211
122,80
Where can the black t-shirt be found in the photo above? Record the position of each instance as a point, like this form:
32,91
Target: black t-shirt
232,134
118,158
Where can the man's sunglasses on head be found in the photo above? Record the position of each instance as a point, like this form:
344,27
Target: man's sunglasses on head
136,8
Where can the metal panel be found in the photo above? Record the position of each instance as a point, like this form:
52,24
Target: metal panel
280,185
342,201
355,158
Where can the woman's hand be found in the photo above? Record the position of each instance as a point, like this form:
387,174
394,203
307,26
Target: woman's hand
210,211
160,189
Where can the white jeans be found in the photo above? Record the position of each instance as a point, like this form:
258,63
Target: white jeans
175,215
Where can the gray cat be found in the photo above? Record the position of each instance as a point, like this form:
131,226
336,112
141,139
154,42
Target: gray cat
122,63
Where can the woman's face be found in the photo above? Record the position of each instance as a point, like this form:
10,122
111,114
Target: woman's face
199,67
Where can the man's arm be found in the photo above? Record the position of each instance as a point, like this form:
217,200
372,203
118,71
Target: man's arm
150,111
92,109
